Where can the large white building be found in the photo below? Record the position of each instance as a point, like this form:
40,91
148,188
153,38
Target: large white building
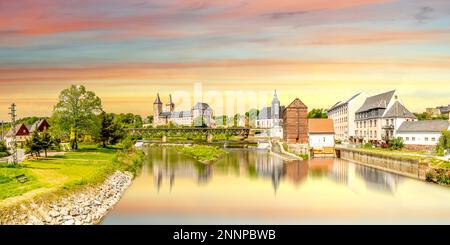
380,116
271,119
422,135
343,116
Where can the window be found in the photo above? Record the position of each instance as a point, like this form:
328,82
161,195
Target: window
375,133
407,138
426,138
400,138
413,138
323,139
433,139
387,122
370,123
375,123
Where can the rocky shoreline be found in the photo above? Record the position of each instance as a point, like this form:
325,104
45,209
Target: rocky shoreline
87,207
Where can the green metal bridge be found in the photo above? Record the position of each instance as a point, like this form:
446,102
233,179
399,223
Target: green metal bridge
173,132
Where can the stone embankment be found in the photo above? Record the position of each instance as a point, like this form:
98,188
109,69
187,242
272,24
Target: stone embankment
84,208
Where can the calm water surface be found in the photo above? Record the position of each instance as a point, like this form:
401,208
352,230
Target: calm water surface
252,187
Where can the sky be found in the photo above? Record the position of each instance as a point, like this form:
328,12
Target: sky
126,51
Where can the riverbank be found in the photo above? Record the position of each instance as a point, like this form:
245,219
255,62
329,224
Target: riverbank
77,179
408,163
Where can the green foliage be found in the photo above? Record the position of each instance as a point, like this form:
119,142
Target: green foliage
34,144
76,112
202,153
304,156
111,131
427,116
429,176
3,147
396,144
46,141
444,143
367,145
317,113
199,122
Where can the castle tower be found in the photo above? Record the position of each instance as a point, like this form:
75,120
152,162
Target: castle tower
170,107
157,109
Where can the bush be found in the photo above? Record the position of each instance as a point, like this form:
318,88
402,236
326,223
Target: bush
429,176
3,147
444,143
396,144
368,145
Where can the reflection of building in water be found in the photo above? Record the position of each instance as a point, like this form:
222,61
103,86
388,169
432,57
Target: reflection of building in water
172,165
340,172
378,180
268,166
320,166
297,171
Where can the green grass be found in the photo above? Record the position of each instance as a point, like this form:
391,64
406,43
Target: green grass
398,153
203,153
88,165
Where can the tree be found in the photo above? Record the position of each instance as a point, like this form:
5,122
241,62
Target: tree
150,119
396,143
34,145
3,147
317,113
444,143
199,122
76,112
46,141
111,130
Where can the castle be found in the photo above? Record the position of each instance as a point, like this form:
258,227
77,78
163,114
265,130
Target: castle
200,115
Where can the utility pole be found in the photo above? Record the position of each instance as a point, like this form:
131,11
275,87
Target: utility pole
3,122
13,130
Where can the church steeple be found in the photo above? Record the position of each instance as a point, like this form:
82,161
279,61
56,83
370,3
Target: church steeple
275,110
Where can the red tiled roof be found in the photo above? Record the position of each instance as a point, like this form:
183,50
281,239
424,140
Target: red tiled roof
321,125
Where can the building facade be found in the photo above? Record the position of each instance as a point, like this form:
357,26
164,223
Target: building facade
321,134
201,112
379,117
295,123
422,135
343,116
23,132
270,119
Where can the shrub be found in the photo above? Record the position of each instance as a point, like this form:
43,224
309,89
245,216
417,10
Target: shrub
368,145
429,176
3,147
396,144
444,143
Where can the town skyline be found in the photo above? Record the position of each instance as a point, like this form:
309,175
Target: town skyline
144,106
301,48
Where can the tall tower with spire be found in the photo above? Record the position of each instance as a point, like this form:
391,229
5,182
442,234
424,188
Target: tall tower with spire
275,110
170,107
157,109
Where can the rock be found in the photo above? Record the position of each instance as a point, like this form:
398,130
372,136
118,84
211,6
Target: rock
69,222
54,213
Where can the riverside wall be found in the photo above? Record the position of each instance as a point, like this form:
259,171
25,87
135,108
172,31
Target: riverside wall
399,165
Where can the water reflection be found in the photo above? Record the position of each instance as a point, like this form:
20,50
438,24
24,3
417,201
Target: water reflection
168,165
253,187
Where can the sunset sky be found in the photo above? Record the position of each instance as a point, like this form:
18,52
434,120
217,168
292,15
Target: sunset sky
126,51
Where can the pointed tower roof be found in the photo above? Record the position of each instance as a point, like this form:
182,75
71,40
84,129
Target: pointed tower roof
170,100
157,100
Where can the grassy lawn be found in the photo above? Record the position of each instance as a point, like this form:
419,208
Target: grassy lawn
203,153
88,165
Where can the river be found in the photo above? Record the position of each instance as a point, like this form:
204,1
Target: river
250,186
